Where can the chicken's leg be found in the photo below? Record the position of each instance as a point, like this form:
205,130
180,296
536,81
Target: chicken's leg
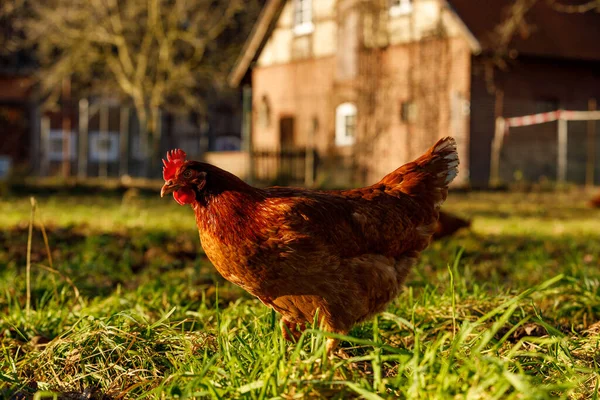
331,345
291,330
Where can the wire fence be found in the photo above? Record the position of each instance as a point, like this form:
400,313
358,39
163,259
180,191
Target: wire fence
559,145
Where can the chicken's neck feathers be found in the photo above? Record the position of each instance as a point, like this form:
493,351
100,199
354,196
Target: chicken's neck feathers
228,213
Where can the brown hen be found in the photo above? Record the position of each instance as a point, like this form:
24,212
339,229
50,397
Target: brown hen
595,202
449,224
344,253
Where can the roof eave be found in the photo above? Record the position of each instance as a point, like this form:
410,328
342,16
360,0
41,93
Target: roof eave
471,39
256,41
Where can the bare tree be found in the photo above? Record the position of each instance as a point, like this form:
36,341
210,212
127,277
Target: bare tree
10,11
154,52
575,8
515,22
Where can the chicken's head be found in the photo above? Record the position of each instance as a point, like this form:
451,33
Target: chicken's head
181,178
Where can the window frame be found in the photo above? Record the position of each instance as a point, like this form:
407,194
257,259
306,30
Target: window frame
343,112
304,26
400,7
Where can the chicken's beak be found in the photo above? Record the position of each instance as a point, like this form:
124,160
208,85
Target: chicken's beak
168,187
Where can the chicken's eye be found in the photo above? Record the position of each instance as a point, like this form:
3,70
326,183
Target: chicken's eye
187,173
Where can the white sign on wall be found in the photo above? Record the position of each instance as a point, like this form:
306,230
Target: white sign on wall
55,145
104,147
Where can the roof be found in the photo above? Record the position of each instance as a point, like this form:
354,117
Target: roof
553,34
256,41
265,25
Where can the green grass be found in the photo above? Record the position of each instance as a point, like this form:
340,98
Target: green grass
504,311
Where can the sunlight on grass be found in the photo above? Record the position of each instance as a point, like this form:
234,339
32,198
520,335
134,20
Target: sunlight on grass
101,213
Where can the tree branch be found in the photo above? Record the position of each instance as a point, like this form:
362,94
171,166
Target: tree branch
572,9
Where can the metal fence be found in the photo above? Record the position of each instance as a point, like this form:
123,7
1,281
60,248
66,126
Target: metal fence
284,167
104,139
559,145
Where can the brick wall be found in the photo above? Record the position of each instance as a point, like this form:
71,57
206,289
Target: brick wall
308,92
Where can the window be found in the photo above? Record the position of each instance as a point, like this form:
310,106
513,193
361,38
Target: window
55,145
350,126
345,124
104,147
408,112
400,7
303,17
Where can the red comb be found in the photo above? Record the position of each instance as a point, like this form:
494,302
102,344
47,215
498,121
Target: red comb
174,159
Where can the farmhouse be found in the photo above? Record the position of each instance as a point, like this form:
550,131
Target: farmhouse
370,84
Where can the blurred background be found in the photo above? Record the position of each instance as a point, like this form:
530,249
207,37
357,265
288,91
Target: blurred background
326,93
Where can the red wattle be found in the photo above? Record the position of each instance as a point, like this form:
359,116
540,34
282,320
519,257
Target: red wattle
184,196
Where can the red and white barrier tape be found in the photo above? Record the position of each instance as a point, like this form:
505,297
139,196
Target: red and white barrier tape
541,118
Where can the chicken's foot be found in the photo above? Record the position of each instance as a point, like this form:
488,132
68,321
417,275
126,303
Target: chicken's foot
290,330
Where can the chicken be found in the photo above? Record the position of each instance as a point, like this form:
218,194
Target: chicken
448,224
595,202
344,253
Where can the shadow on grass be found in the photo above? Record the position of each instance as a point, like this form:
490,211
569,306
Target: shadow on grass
99,263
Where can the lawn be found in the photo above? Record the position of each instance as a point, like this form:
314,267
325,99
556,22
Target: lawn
124,305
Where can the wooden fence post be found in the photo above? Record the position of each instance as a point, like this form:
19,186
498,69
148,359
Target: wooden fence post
102,139
124,141
45,136
497,143
66,127
562,148
591,147
82,159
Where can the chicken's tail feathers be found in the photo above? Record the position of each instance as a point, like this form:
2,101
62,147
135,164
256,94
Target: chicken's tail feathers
429,175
